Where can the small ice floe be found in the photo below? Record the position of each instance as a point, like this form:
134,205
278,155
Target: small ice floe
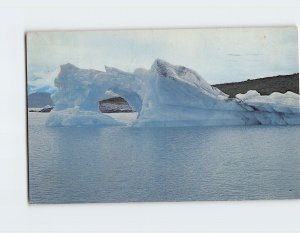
47,108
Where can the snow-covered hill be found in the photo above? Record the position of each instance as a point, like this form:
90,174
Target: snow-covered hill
164,95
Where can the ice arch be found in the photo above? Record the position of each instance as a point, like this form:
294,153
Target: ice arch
165,95
79,90
84,88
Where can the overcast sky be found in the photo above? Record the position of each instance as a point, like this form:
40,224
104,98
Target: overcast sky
218,55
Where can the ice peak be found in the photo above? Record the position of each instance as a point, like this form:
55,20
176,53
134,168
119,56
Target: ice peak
166,69
163,68
113,70
68,67
159,64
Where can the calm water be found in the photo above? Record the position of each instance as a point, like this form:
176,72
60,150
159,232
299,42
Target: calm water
162,164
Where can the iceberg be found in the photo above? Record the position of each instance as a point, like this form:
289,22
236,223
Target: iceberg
164,95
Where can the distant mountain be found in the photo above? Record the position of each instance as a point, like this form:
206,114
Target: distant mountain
39,100
265,86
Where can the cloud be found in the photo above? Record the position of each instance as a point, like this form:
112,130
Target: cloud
254,54
247,54
234,55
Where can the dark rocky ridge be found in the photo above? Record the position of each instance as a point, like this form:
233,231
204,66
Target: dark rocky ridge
265,86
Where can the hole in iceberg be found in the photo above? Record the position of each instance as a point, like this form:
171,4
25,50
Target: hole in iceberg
117,107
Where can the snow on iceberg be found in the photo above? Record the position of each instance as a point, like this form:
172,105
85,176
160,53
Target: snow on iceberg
278,102
165,95
286,105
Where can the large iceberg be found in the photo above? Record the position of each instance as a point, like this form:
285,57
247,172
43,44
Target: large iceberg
165,95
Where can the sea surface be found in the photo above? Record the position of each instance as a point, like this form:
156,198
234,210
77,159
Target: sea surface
122,164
